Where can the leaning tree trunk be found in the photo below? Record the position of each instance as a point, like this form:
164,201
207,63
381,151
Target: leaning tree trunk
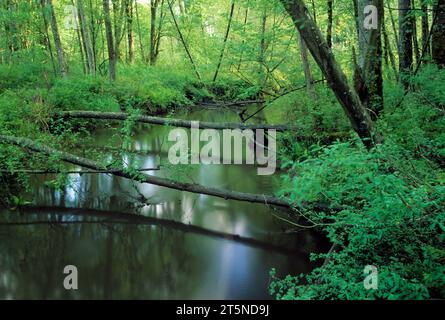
226,37
406,41
438,36
57,41
110,43
349,100
370,58
184,43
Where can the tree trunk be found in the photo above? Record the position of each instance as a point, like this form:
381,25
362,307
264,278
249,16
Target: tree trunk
86,38
153,13
169,121
406,41
184,43
141,42
226,37
307,68
370,59
262,75
329,30
110,44
94,32
348,99
415,40
425,30
47,37
390,53
118,15
159,31
57,41
246,16
438,36
130,35
394,28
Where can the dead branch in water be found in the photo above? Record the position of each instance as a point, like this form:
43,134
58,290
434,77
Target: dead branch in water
166,121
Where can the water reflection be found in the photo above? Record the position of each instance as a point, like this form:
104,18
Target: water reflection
147,261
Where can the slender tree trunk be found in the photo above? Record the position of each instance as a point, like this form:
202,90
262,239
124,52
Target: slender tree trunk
184,43
138,23
329,31
394,27
415,40
360,120
246,16
370,61
226,37
130,35
57,41
438,36
82,48
307,68
314,12
118,15
356,17
159,31
425,29
110,43
153,13
406,41
94,35
86,38
47,37
392,59
262,75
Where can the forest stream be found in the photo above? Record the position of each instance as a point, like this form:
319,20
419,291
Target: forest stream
121,260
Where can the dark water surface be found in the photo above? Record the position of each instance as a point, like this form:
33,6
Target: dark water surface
122,257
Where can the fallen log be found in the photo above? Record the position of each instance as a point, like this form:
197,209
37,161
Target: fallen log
166,121
118,217
143,178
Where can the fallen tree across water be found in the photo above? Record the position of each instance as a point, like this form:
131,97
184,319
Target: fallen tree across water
166,121
143,178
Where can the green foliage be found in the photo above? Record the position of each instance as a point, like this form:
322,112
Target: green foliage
388,206
83,93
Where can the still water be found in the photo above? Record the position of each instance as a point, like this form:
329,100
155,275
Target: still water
94,225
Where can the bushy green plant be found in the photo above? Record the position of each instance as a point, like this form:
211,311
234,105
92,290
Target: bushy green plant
388,205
